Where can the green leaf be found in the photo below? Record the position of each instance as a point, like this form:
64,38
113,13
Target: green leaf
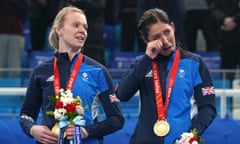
194,132
52,100
50,113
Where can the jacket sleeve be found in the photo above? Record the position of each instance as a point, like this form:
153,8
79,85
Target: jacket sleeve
114,118
131,81
204,95
31,106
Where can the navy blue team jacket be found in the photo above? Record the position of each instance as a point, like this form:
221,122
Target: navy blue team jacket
93,84
191,105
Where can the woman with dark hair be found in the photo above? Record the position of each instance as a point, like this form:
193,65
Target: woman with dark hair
175,86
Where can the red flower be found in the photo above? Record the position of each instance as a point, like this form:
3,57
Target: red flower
193,139
59,104
70,107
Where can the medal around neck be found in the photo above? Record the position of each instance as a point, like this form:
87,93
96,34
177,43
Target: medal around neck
161,128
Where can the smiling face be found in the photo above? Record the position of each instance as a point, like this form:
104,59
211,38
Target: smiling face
165,33
73,33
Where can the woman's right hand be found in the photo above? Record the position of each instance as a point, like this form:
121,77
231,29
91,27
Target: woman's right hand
153,48
43,134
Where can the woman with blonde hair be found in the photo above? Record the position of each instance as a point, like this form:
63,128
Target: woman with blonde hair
77,73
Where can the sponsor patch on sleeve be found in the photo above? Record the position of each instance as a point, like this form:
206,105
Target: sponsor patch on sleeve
208,91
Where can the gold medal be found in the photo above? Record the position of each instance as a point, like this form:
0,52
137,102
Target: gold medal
55,129
161,128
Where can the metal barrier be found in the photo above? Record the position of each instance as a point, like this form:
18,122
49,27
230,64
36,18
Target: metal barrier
222,93
223,90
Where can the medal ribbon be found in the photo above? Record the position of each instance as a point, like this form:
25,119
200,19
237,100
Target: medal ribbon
72,76
161,109
69,86
77,135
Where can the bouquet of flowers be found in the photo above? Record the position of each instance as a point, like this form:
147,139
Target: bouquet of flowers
189,138
67,109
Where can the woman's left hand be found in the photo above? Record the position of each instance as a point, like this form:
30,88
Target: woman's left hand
69,131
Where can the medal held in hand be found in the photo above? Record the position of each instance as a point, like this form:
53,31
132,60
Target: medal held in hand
56,129
161,126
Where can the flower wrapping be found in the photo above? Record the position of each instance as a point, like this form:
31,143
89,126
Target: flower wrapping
189,138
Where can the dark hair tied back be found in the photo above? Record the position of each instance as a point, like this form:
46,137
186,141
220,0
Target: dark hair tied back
150,17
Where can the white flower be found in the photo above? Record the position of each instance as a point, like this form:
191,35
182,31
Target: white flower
66,100
187,135
59,113
66,97
185,138
61,90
